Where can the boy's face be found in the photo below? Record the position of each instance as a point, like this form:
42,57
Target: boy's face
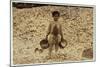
56,17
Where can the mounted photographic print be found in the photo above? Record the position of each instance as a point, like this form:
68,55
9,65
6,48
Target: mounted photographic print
49,33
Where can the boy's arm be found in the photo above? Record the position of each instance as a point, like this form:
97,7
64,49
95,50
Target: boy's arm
61,33
48,31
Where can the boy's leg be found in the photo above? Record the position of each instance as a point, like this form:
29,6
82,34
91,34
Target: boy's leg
50,49
58,40
56,46
51,43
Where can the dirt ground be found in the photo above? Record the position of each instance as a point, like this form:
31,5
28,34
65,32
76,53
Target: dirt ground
30,27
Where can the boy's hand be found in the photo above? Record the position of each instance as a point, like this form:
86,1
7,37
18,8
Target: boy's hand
62,39
46,37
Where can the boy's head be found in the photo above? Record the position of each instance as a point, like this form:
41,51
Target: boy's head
55,15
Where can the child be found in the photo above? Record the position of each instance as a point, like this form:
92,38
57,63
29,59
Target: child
54,33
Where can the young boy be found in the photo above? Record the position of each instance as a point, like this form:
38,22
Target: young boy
54,33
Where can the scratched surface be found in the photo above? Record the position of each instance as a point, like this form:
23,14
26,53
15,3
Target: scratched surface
30,26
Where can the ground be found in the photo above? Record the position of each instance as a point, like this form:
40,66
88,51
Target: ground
30,27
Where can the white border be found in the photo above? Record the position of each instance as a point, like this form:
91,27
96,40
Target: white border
52,3
11,35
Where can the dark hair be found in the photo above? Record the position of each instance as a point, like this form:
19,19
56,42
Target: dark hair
55,12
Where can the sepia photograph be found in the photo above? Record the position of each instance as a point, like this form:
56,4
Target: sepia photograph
47,33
